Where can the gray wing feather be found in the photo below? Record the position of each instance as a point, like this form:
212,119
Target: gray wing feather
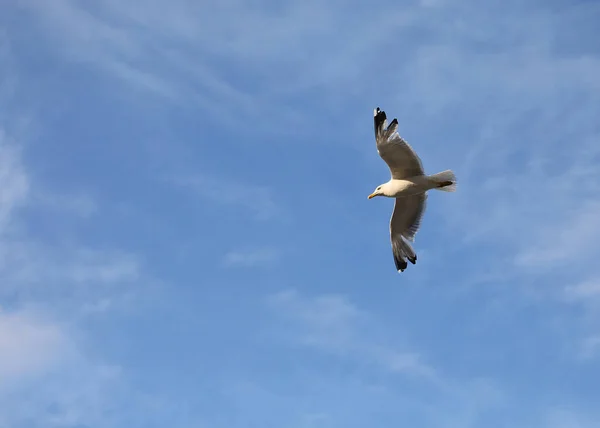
404,224
407,215
394,150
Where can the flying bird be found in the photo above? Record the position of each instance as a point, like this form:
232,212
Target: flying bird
408,185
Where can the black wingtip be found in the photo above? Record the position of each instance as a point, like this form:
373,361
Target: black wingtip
413,260
379,117
379,113
400,263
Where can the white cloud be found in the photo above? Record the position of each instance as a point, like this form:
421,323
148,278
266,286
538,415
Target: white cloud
169,50
404,362
257,199
251,258
14,184
541,201
28,262
584,291
566,417
332,324
29,345
80,204
576,238
31,271
590,347
77,392
46,376
325,316
70,279
585,340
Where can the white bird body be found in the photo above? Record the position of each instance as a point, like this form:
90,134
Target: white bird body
408,186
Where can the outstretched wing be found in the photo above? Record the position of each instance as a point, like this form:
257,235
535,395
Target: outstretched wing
404,224
397,153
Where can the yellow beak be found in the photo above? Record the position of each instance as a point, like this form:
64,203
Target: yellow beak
372,195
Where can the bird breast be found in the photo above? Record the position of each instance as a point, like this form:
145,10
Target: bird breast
409,186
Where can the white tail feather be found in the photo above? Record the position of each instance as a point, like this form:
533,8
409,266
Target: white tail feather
444,177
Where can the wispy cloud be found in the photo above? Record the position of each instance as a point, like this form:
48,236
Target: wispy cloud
584,291
187,52
333,324
71,278
585,297
58,386
259,200
46,290
81,204
565,417
14,182
590,347
251,257
575,238
29,345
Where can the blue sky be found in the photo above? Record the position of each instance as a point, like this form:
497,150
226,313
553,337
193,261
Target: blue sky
185,235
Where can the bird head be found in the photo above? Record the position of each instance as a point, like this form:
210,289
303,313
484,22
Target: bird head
376,192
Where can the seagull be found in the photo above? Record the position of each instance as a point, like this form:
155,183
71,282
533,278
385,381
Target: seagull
408,185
